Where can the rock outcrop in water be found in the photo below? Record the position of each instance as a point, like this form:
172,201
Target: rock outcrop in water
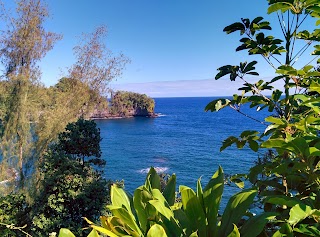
124,104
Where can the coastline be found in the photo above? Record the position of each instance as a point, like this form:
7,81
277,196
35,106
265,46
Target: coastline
113,117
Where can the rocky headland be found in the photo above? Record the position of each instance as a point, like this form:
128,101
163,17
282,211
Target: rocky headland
124,104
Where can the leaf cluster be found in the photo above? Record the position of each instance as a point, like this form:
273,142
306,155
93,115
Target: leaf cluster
150,212
69,191
287,176
14,212
81,139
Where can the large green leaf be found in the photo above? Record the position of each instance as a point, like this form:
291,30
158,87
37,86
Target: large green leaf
119,197
153,180
162,206
126,217
282,200
115,225
200,192
193,210
275,120
65,233
212,194
274,143
184,222
170,190
235,209
156,231
235,232
194,234
255,225
299,212
280,6
93,233
299,146
140,198
162,209
103,231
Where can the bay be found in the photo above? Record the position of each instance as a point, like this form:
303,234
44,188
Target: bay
184,140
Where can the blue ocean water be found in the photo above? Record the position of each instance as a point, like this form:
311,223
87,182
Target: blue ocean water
184,140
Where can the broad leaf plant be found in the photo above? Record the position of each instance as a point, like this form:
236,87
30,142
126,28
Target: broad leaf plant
288,176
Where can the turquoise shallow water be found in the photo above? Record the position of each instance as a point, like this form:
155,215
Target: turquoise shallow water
184,140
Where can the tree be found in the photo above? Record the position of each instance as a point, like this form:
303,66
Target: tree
69,191
62,104
23,45
31,115
70,188
83,89
81,139
96,65
122,102
288,177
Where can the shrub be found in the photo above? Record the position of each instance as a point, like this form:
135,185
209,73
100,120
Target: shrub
69,192
14,217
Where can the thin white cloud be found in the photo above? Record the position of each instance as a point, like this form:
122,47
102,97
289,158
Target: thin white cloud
183,88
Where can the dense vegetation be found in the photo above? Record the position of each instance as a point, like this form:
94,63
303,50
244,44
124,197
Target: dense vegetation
285,183
31,115
126,103
47,180
71,185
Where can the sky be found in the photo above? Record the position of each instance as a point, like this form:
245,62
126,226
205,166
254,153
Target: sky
175,46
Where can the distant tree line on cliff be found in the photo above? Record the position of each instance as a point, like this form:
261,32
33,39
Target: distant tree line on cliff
125,103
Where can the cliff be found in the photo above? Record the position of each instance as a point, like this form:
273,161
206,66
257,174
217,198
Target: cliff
125,104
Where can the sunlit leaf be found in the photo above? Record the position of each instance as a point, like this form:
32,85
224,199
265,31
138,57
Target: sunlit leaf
156,231
216,105
299,212
65,233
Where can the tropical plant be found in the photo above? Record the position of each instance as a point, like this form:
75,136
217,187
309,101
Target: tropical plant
288,180
152,213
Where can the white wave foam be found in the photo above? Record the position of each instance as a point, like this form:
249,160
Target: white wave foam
159,160
161,115
158,169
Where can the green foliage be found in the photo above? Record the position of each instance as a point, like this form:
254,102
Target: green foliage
70,187
70,190
13,213
81,139
31,116
288,176
149,212
19,58
124,103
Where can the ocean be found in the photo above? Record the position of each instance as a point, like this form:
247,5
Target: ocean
184,140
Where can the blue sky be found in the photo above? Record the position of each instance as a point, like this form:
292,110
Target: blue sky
175,46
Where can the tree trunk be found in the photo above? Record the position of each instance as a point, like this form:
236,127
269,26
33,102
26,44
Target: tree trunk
21,180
